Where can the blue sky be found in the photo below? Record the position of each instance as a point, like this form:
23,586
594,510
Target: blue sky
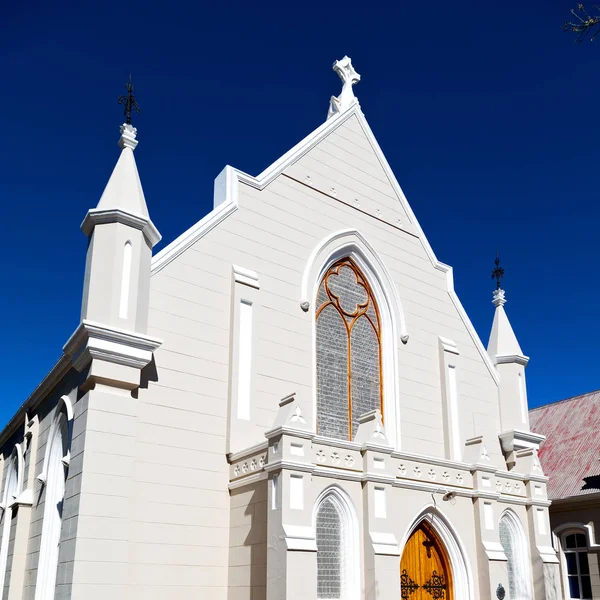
486,112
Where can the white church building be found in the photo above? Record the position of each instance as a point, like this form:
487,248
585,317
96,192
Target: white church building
286,402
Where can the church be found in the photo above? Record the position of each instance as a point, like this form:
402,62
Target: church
286,402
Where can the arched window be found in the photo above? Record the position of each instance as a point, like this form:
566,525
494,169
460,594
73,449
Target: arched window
53,477
514,544
348,333
575,548
337,548
11,491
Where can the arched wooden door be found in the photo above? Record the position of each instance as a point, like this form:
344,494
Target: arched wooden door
425,572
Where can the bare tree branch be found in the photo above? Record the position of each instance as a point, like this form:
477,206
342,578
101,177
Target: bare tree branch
587,26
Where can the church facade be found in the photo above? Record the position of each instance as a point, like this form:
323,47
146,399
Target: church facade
287,402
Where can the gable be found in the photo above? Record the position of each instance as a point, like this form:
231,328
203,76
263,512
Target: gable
345,166
340,160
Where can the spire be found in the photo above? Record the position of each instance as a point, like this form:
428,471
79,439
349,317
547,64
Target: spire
124,188
503,342
123,197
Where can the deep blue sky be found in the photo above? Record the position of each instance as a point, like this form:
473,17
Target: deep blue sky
486,111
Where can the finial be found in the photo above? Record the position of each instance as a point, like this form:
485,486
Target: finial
129,102
498,274
349,77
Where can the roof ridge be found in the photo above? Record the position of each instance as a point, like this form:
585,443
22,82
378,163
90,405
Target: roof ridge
565,400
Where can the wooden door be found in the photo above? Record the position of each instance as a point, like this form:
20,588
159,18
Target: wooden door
425,569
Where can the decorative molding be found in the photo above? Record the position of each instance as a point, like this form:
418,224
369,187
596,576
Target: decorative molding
517,439
25,498
384,544
245,481
100,216
494,550
128,137
299,537
234,457
246,277
448,345
95,341
519,359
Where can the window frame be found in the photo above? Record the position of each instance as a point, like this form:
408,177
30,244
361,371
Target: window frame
520,552
349,541
355,317
576,550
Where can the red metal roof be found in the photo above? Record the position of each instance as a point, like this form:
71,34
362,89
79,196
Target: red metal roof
572,447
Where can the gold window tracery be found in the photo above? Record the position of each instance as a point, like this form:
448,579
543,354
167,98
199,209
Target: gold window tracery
348,333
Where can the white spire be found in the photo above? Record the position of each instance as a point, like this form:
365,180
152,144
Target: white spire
503,342
349,77
123,197
124,188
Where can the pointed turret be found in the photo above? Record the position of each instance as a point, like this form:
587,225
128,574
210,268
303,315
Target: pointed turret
506,354
114,312
121,236
503,342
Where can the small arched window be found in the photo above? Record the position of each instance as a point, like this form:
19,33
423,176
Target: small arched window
337,551
575,548
348,334
514,544
54,480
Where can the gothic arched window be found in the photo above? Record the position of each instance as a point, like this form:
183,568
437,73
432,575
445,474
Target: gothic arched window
514,544
338,568
54,479
348,335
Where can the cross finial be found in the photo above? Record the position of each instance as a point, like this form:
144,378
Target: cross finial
349,77
498,272
129,102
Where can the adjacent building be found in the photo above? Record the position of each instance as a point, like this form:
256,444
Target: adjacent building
570,457
286,402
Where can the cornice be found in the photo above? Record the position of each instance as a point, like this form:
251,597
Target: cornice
246,276
100,216
517,439
95,341
518,359
233,457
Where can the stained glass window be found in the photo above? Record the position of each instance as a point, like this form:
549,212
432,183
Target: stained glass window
348,351
514,544
329,551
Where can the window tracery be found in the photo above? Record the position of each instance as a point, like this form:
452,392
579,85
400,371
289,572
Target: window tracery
348,333
514,544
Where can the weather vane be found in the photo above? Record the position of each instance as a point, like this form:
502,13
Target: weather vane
129,102
498,272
